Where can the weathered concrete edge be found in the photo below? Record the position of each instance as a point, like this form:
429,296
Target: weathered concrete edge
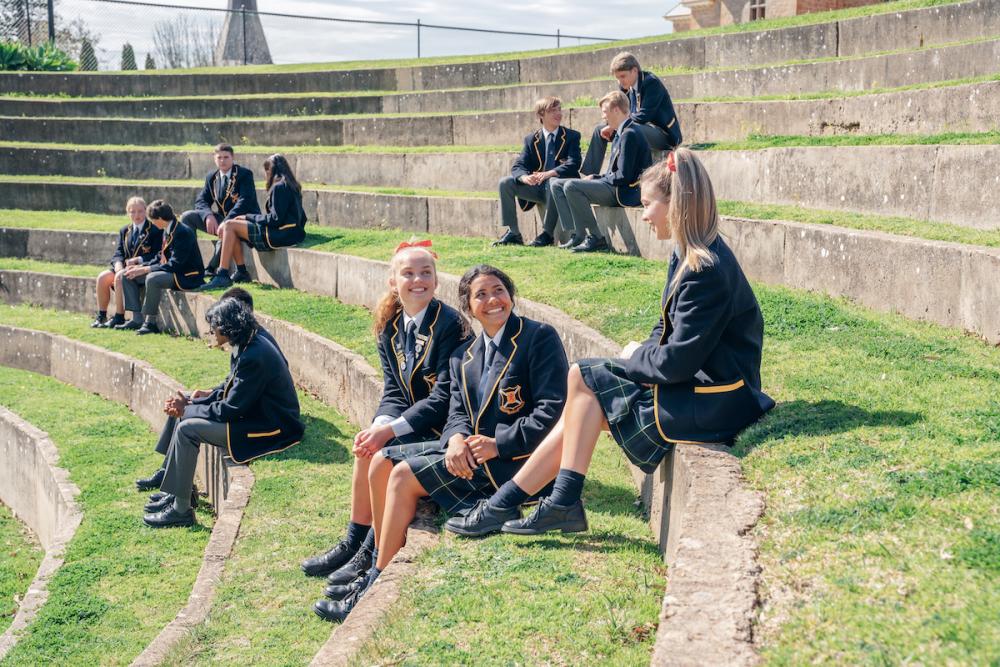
67,518
354,283
354,389
229,515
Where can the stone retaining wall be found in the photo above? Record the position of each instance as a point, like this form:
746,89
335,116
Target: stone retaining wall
40,494
886,32
855,74
962,108
946,183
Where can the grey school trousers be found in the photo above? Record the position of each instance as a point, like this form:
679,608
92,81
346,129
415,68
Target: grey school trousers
155,283
182,452
573,197
656,137
511,188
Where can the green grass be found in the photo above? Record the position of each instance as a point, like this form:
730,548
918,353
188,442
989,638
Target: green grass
754,26
264,595
22,555
763,141
121,582
311,150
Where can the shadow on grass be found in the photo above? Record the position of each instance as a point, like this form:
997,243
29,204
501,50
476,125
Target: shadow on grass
617,499
323,442
603,543
815,418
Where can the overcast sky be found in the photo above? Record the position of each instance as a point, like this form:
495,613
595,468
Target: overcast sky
299,40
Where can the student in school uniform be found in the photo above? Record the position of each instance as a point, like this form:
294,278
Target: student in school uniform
228,192
158,500
178,266
552,151
282,226
649,107
138,243
618,186
508,389
695,380
416,335
254,412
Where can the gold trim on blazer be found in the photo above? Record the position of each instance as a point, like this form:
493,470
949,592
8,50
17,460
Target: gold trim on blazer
718,389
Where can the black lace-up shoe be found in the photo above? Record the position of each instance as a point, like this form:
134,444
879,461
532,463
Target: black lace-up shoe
481,520
547,517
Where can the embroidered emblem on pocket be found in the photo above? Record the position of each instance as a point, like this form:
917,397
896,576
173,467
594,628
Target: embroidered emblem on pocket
431,380
510,400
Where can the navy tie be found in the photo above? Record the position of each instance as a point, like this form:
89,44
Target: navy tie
632,104
614,151
410,347
550,152
483,388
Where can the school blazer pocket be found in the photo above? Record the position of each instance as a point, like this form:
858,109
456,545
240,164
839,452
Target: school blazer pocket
723,406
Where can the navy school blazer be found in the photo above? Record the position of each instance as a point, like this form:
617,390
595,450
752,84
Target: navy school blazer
421,398
703,356
239,199
532,157
257,402
628,160
145,245
181,257
655,106
263,333
285,221
525,397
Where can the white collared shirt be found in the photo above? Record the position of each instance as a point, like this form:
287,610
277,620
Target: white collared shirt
399,425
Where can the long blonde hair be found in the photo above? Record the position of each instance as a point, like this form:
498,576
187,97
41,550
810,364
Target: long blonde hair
692,216
390,305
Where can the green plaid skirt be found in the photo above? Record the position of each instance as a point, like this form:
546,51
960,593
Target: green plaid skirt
630,410
255,236
453,494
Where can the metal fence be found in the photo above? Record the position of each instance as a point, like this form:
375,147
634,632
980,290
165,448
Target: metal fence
169,36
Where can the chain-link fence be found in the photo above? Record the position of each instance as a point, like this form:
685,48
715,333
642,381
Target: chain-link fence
125,34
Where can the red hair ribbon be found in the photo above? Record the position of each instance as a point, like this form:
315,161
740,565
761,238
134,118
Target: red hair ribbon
426,243
671,165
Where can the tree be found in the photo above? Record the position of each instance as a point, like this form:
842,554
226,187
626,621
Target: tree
185,42
88,61
14,21
71,35
150,63
128,57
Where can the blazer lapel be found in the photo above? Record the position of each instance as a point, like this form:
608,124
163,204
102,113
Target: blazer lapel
501,362
561,138
472,372
538,153
398,356
425,336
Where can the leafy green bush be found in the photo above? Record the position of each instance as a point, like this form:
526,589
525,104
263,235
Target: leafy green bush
150,63
44,58
88,60
128,57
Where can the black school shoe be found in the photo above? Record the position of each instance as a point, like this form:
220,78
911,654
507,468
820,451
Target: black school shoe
509,238
573,242
100,322
340,591
592,244
242,277
331,561
114,322
220,280
352,569
481,520
165,500
148,328
151,482
547,517
337,612
131,325
542,240
169,518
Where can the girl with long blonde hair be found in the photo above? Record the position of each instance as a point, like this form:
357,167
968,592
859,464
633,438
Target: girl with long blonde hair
695,380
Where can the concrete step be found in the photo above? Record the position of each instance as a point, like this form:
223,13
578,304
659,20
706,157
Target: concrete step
845,37
968,107
854,74
927,182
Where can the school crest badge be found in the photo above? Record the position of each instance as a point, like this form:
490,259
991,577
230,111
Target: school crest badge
510,400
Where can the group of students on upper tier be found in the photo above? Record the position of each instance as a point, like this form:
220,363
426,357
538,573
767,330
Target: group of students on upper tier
158,252
636,118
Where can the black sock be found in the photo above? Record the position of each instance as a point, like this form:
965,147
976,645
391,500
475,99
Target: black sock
241,268
569,487
356,533
102,314
508,496
222,272
369,543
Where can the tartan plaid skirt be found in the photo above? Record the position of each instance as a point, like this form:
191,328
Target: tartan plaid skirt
630,410
453,494
255,236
